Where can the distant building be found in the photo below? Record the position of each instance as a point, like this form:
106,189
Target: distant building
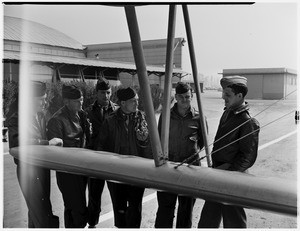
54,56
267,83
189,79
154,52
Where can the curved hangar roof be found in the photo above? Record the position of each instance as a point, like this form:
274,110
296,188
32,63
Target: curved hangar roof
14,29
18,29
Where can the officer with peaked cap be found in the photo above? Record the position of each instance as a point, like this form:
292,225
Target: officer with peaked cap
97,112
70,123
34,181
185,140
235,123
125,132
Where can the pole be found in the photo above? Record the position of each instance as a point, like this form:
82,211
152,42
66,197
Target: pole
140,63
165,128
196,81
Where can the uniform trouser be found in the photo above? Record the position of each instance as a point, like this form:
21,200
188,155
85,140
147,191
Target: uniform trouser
35,186
212,213
166,207
127,204
94,206
73,189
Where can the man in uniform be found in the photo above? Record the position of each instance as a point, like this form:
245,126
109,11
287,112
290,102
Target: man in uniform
125,132
185,140
34,181
235,123
70,123
97,112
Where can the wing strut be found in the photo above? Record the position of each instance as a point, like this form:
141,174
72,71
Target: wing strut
140,63
165,126
196,81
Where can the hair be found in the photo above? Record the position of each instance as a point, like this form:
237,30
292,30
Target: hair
238,88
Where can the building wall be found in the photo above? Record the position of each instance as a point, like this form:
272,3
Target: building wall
290,90
267,83
154,55
129,80
154,51
255,86
273,86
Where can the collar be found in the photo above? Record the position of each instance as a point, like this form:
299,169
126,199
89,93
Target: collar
191,111
239,109
123,116
96,105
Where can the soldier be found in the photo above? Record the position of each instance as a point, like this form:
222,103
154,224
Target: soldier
238,156
70,123
185,140
34,181
97,112
125,132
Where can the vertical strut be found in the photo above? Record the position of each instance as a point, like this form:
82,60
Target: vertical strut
140,63
196,81
165,128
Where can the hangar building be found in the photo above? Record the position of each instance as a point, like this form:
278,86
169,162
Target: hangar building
268,83
54,56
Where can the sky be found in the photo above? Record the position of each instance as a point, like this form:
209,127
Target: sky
263,35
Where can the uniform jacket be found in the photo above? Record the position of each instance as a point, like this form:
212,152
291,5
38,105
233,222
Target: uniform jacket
36,131
185,137
33,190
97,115
132,139
75,131
240,155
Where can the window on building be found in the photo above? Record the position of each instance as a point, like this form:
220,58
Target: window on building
111,74
11,71
90,73
70,72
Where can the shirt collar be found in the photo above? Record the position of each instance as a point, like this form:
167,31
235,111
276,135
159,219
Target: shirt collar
96,105
239,109
191,111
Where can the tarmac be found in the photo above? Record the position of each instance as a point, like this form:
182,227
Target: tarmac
277,158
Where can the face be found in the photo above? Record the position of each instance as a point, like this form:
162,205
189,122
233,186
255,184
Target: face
103,97
231,99
184,100
74,105
39,103
130,105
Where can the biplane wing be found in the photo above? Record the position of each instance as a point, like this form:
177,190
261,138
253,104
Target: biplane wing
266,193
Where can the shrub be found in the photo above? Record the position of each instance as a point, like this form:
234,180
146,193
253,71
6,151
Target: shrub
54,97
157,97
10,95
